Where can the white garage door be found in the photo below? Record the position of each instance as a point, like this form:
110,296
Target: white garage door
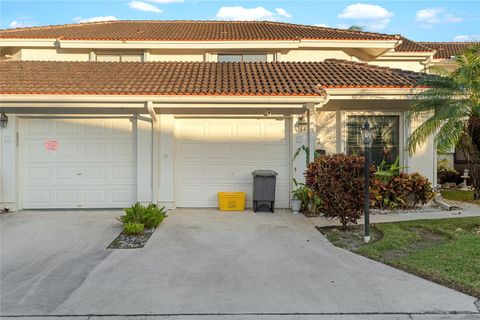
215,155
77,163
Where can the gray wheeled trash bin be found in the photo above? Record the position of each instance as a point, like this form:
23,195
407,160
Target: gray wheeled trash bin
264,190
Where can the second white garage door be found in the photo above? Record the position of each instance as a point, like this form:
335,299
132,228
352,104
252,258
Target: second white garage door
214,155
78,163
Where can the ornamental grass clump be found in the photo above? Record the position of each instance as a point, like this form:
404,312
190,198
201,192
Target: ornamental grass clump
149,217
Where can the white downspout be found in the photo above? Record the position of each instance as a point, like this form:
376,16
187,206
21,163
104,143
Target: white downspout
155,133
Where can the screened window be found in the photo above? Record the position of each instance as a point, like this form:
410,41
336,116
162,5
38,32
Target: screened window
242,57
385,145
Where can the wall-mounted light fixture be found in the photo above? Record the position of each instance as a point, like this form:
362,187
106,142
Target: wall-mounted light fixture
301,124
3,120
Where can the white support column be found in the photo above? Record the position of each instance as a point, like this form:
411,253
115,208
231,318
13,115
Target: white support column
144,158
310,132
8,164
155,146
167,160
146,55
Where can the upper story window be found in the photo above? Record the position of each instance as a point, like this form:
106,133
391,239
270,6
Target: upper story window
386,143
248,57
119,57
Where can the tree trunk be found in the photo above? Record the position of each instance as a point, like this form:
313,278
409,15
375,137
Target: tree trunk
473,158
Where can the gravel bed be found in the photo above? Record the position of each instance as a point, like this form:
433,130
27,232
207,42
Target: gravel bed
125,241
420,209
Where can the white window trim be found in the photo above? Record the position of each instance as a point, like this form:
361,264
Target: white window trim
401,129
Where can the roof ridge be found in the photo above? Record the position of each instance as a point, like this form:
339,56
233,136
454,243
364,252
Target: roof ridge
54,26
192,21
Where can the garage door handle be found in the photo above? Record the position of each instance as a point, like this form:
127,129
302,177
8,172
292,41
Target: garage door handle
79,174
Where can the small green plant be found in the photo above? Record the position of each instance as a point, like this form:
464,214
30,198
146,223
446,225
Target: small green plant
150,216
311,202
153,216
386,171
305,149
133,228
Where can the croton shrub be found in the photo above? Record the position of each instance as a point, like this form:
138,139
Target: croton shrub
400,191
338,181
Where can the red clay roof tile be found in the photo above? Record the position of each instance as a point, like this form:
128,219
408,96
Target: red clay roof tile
190,30
196,78
446,50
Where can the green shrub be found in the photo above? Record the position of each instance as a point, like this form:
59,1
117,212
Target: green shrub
402,190
311,202
150,216
458,195
445,173
338,181
153,216
133,228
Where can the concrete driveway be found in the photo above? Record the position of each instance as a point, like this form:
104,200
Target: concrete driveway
204,264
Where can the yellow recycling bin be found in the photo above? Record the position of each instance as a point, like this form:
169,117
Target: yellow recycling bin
231,201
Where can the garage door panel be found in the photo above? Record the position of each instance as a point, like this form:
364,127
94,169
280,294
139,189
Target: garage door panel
95,173
92,197
206,166
38,126
68,151
66,128
38,174
191,151
66,174
219,172
218,132
95,150
275,132
191,172
123,150
218,151
248,131
248,152
93,166
66,197
33,196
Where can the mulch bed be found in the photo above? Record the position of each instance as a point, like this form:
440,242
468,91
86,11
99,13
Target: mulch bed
125,241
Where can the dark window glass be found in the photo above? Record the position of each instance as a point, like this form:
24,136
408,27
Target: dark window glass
385,145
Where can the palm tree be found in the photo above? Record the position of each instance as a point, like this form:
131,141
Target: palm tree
355,28
453,99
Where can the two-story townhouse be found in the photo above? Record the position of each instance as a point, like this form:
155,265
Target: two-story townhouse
101,115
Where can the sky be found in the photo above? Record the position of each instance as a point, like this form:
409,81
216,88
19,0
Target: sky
417,20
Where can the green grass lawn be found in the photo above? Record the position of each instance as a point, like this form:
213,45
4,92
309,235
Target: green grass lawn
446,251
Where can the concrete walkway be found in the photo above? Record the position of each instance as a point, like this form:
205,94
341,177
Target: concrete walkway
464,210
204,264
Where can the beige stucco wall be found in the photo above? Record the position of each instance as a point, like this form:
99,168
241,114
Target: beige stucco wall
175,55
54,54
326,129
314,55
416,65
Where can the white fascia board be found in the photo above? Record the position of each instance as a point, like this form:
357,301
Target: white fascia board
362,44
130,101
374,93
406,56
27,42
128,44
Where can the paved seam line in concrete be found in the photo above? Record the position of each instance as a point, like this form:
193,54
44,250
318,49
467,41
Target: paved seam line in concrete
477,304
245,314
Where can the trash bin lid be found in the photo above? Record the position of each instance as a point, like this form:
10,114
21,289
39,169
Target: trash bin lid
264,173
